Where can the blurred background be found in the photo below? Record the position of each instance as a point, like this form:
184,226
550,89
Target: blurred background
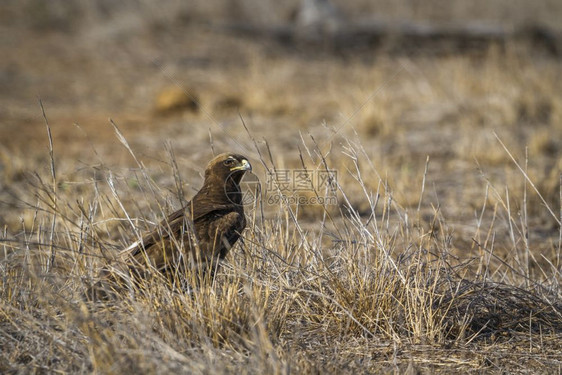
442,118
405,79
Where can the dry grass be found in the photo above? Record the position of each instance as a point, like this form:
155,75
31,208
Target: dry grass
357,293
442,253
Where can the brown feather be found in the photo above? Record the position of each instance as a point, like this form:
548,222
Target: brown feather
199,234
206,228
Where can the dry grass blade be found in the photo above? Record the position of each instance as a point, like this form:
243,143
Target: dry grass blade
54,181
379,279
358,257
528,179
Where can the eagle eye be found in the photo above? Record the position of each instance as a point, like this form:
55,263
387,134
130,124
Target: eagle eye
229,162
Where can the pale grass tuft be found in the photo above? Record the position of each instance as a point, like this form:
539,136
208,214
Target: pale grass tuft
383,281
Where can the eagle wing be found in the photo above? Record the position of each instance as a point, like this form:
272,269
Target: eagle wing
221,232
212,231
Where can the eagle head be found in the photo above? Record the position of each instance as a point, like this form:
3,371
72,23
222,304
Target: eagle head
225,171
227,164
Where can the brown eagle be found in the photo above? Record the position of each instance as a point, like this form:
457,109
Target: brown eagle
198,235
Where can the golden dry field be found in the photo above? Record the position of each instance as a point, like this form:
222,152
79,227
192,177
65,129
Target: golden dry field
425,237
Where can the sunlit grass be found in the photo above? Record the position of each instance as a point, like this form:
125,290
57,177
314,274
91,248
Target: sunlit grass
388,277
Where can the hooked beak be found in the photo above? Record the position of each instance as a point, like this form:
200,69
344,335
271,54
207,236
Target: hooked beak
244,166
